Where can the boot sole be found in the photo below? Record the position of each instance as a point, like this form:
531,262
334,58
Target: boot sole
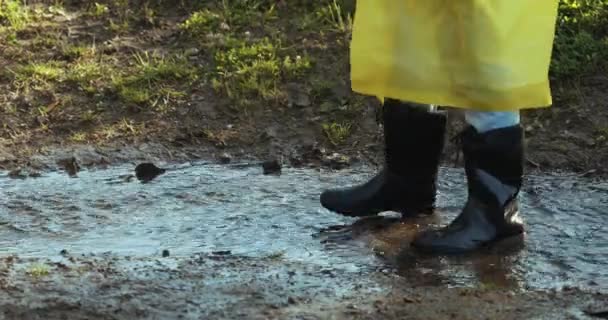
404,213
502,245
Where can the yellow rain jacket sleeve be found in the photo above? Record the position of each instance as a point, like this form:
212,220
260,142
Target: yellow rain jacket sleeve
488,55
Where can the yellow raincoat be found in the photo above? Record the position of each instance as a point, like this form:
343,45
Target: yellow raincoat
488,55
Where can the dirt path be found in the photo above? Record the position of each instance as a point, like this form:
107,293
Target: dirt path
99,84
196,288
192,244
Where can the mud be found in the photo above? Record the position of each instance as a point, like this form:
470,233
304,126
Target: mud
224,242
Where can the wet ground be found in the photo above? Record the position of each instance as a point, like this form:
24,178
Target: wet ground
223,242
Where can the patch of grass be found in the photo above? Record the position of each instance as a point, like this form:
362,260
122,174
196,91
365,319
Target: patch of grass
238,13
334,16
123,128
14,15
151,68
134,95
45,41
337,133
38,270
88,116
56,8
120,26
154,80
85,73
578,54
78,137
581,43
45,71
255,71
148,14
327,15
99,10
219,138
229,17
201,22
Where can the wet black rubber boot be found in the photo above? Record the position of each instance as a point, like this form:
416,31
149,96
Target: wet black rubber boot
494,168
414,140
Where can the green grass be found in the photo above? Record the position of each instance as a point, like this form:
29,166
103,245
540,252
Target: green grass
42,71
85,73
39,270
333,15
200,22
99,10
154,80
337,133
75,52
14,15
581,43
256,70
151,81
248,52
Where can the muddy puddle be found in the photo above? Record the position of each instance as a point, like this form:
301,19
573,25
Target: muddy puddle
208,237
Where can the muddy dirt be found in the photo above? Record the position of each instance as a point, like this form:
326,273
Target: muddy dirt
82,238
227,242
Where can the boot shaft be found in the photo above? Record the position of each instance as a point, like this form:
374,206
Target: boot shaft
494,163
414,138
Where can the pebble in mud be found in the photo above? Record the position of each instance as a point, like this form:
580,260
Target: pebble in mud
271,167
225,158
20,173
17,174
146,172
70,165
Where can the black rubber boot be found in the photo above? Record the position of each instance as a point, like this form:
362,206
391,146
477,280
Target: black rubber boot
414,140
494,168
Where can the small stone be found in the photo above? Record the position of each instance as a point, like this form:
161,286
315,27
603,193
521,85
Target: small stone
225,158
146,172
272,167
224,26
70,165
408,300
90,156
192,52
17,174
337,161
166,253
35,174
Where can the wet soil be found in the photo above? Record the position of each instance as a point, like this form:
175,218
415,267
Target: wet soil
227,242
82,238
